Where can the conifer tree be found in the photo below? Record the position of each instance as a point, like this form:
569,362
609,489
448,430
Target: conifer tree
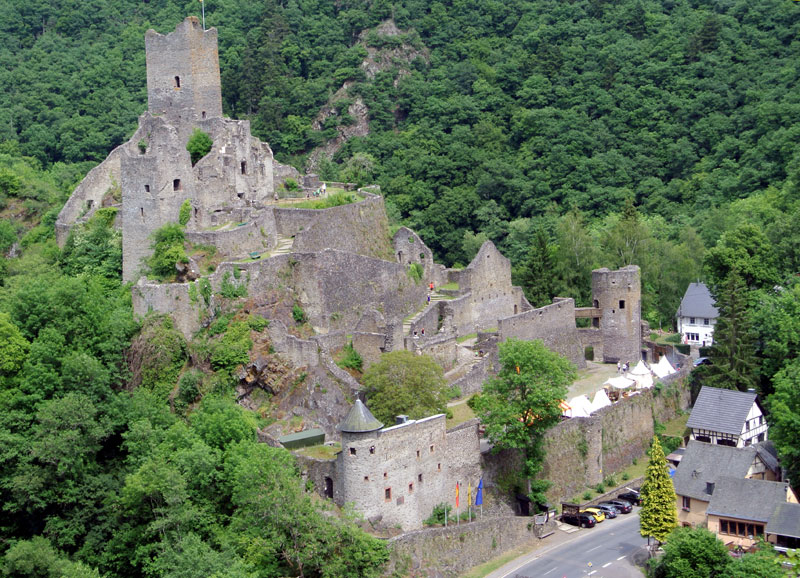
659,515
537,274
733,361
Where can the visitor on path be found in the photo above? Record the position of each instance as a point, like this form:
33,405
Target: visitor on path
429,299
619,367
431,286
415,335
323,189
423,332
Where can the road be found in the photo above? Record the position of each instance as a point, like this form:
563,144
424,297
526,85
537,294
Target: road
605,551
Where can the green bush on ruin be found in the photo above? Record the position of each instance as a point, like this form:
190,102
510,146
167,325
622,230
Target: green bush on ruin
199,145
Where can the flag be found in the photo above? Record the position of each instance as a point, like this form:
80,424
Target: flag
456,494
469,493
479,494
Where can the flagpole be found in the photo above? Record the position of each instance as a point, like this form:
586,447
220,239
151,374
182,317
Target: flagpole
203,5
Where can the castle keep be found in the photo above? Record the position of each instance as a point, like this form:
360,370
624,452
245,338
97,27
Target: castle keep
355,282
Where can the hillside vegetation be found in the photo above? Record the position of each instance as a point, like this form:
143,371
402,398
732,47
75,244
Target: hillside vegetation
572,134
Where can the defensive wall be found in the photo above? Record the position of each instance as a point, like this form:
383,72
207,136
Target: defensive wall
356,228
453,550
581,452
237,241
554,324
396,475
89,194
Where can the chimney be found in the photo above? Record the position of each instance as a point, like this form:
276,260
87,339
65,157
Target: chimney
400,419
709,488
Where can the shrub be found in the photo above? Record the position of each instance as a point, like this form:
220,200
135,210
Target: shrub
230,289
587,495
625,477
351,359
600,488
257,323
234,347
437,516
453,392
167,251
610,482
291,185
142,146
416,271
186,212
199,145
298,314
189,386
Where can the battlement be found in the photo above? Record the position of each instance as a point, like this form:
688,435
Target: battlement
183,72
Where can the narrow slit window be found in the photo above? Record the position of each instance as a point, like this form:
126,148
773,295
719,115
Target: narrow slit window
244,167
622,304
203,114
177,82
410,488
176,185
387,494
419,477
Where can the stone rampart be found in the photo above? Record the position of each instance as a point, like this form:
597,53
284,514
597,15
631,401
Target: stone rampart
360,228
592,337
369,346
318,472
492,297
300,352
167,299
451,551
473,381
441,347
235,242
88,195
457,315
554,324
428,320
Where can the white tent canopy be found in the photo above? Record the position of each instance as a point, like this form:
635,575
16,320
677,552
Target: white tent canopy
640,369
663,368
600,400
580,406
620,382
641,375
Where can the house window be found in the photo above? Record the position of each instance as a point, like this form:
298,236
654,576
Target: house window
352,451
691,320
176,185
700,438
741,529
760,437
687,502
705,322
177,82
387,494
622,304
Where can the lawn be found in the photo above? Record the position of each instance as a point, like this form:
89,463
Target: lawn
321,452
461,413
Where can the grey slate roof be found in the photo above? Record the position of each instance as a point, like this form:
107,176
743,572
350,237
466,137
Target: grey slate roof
359,420
785,520
753,500
702,463
697,302
769,455
722,410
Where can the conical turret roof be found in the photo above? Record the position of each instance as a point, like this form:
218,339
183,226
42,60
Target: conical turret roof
360,420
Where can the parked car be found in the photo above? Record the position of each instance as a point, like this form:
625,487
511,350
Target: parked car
596,512
621,505
584,520
632,497
609,510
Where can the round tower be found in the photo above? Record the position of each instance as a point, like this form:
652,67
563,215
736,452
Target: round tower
360,460
618,295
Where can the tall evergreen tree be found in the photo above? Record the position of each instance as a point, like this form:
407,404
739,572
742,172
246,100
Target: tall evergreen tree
733,361
659,515
537,275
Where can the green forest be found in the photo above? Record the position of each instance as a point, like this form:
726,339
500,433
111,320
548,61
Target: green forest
574,135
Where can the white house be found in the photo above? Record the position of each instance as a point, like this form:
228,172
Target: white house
727,417
697,316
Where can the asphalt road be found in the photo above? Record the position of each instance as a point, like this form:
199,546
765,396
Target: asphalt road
612,549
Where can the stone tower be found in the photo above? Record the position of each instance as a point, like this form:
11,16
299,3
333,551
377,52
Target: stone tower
359,435
183,72
618,294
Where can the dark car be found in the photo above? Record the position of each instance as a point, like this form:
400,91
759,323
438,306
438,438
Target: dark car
609,510
621,505
632,497
581,519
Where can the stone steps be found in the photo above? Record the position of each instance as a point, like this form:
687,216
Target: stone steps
284,246
435,296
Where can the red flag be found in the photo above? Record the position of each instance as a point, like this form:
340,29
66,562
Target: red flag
456,494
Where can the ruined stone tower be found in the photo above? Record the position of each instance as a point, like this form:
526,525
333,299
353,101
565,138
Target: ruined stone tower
618,294
183,72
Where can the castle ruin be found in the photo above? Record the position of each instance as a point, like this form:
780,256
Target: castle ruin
354,280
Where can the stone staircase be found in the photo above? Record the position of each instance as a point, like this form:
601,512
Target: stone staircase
435,296
284,246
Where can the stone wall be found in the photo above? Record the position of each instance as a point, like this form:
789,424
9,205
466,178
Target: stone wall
581,452
88,195
360,228
457,314
235,242
318,471
554,324
369,346
473,381
300,352
451,551
492,296
399,473
428,320
167,299
409,248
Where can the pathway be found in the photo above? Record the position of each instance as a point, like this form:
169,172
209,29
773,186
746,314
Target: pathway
435,296
284,246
